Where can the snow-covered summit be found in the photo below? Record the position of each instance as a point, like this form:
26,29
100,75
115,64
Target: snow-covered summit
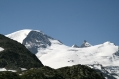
32,39
19,35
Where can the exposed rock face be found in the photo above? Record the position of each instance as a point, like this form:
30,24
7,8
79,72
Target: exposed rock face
85,44
16,55
36,40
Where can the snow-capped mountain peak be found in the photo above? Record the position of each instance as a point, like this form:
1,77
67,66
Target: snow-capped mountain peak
32,39
36,40
19,35
45,47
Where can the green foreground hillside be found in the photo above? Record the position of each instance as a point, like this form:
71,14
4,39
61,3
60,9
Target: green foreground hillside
16,55
73,72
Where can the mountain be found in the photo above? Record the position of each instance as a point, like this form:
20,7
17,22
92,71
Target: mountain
14,55
55,54
75,46
106,73
85,44
36,40
32,39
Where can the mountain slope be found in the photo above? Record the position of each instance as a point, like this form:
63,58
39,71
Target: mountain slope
79,72
106,73
16,55
55,54
62,55
46,47
19,35
36,40
45,72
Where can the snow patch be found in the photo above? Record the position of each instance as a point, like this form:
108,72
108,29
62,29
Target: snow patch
3,69
1,49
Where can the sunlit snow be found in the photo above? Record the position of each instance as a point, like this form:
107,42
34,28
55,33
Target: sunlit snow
59,55
3,69
19,35
1,49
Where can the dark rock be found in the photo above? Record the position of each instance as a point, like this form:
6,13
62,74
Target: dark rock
85,44
16,55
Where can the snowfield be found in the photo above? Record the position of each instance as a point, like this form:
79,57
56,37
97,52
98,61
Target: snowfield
59,55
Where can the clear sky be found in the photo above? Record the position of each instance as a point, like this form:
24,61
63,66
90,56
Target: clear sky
70,21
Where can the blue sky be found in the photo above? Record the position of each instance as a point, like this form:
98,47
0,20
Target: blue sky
70,21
